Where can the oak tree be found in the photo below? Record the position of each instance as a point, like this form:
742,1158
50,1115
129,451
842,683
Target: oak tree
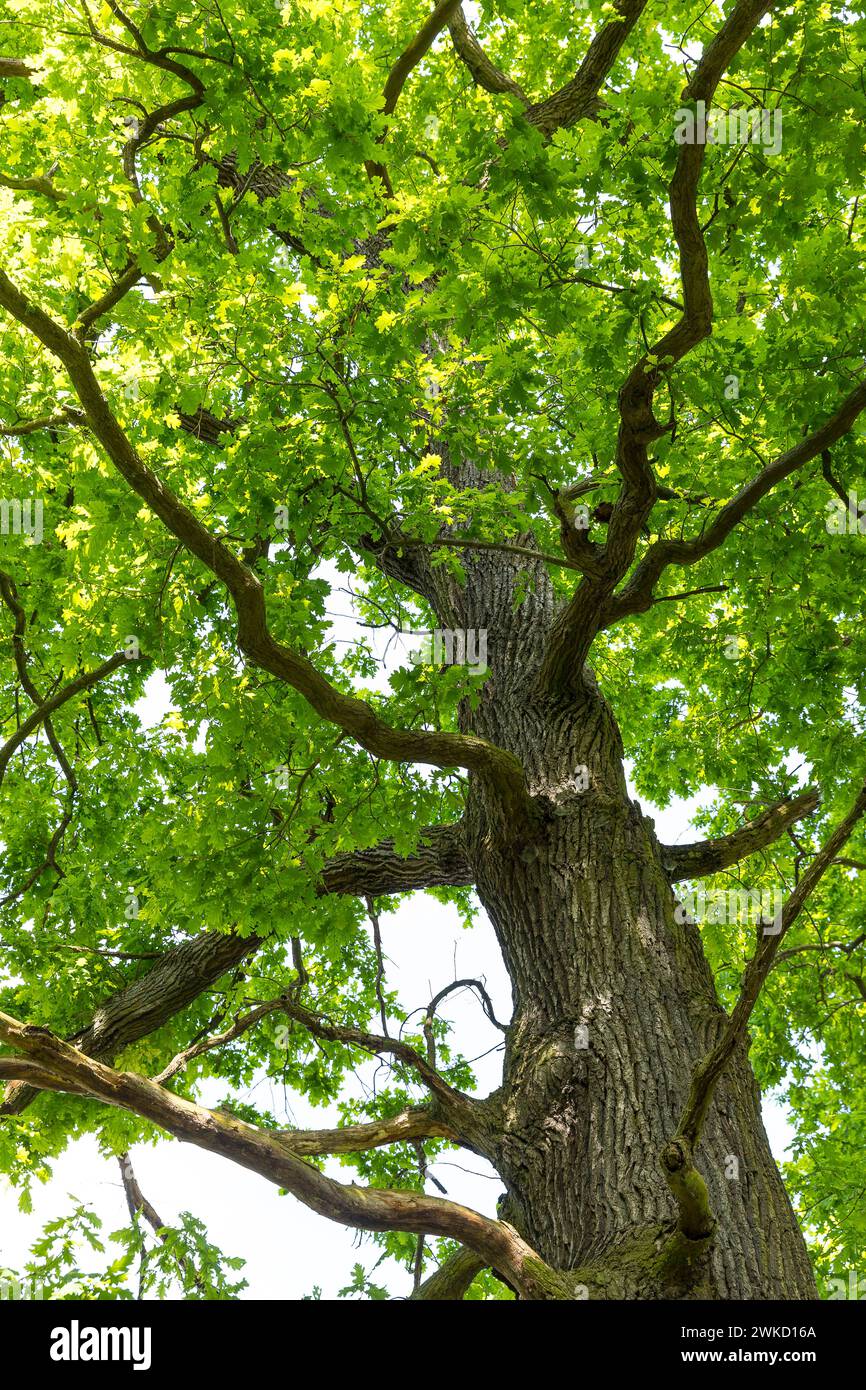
544,329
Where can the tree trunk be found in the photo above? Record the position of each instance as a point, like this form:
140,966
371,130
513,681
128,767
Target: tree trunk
614,1002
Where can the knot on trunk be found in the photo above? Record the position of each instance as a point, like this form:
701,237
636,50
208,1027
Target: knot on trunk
696,1220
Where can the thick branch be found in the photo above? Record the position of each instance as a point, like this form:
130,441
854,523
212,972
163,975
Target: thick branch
450,1282
579,98
711,856
574,631
440,861
485,73
415,51
420,1122
364,1208
183,973
35,1077
14,67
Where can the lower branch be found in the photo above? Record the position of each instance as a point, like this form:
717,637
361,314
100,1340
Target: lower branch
183,973
450,1282
418,1122
684,1181
450,1098
364,1208
137,1202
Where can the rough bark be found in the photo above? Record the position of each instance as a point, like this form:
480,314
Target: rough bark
587,929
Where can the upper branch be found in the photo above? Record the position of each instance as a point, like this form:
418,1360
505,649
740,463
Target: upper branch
500,768
143,131
710,856
573,633
396,80
14,67
44,422
440,861
414,52
638,425
470,52
637,595
579,97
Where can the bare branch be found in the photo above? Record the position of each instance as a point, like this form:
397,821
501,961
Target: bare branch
238,1028
455,1101
711,856
486,1004
420,1122
22,1070
485,73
